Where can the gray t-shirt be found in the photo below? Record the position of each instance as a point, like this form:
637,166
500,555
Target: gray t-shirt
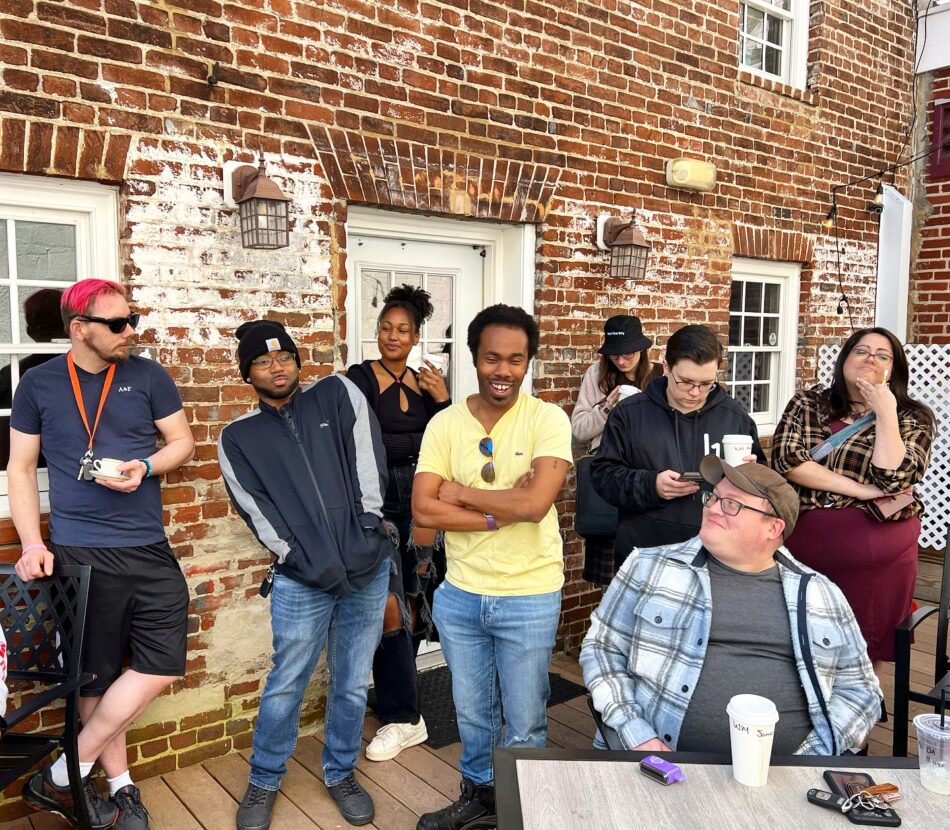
749,652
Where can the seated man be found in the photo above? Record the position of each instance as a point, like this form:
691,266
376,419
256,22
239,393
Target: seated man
684,627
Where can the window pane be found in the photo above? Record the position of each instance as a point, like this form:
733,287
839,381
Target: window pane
4,269
374,285
45,251
773,60
6,333
743,396
786,5
40,320
763,365
770,331
754,22
735,328
775,30
753,54
753,296
413,278
735,295
440,323
743,364
772,294
760,397
370,351
750,332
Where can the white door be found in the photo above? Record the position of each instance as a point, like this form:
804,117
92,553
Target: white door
453,274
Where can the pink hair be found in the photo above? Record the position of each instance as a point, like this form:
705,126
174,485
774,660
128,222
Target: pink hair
78,298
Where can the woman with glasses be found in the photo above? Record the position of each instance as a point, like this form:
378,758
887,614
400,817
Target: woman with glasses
624,361
404,401
648,461
875,440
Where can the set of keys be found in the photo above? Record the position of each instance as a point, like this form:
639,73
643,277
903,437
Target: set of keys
85,467
863,805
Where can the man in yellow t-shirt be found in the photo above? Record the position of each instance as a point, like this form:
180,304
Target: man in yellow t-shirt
489,470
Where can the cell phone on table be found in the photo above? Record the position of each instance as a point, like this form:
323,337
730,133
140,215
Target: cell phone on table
694,478
847,783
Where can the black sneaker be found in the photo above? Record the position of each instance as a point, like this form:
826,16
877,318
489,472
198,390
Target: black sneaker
475,808
132,812
42,794
354,803
256,808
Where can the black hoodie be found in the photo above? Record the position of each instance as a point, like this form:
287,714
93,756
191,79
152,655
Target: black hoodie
643,437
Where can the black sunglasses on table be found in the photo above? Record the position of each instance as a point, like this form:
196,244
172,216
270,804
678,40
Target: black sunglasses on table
116,324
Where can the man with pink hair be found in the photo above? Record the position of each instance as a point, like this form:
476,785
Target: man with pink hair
95,413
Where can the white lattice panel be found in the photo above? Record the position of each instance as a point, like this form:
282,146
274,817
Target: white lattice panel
929,383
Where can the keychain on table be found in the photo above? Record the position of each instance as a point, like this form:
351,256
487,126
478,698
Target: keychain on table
85,463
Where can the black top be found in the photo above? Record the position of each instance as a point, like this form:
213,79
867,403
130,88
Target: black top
402,431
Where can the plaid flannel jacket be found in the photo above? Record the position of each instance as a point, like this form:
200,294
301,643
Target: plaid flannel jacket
647,642
803,426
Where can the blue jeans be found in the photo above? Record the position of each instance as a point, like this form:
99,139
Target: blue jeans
498,650
303,619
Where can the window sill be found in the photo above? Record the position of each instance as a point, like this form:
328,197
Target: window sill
10,541
779,88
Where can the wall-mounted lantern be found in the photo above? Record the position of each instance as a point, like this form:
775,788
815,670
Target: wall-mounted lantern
262,206
628,247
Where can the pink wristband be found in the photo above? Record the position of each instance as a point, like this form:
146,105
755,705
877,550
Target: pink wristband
34,546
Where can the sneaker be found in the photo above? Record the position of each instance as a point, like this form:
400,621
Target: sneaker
256,808
475,808
42,794
132,812
354,803
393,738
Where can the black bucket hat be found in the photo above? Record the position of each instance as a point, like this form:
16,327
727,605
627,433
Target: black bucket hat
623,334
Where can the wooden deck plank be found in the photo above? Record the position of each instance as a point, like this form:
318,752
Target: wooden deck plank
210,804
165,810
17,824
48,821
441,775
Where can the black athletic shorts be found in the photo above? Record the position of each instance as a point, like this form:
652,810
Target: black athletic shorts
138,609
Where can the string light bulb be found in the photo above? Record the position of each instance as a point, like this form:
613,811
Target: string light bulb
829,221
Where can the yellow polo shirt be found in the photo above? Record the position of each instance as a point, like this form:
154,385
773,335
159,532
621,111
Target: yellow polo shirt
521,558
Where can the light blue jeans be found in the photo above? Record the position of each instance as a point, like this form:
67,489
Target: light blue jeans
498,650
303,619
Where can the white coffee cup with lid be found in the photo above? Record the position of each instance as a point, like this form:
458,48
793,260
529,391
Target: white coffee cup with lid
752,720
735,448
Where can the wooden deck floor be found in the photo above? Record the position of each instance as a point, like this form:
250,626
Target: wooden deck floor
419,780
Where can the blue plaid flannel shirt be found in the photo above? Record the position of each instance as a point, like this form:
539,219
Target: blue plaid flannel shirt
648,637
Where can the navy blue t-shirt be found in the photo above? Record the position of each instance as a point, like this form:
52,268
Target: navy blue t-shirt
84,513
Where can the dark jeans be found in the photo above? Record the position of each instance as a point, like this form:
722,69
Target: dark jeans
394,663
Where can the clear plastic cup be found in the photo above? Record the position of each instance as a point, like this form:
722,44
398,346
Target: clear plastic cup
933,751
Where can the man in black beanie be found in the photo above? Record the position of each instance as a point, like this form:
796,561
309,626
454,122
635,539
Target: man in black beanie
307,472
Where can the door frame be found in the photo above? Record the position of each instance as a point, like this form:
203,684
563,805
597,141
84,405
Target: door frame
509,257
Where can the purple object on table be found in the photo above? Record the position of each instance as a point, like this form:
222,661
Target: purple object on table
659,770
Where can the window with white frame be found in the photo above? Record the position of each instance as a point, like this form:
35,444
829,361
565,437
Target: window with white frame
52,234
773,39
763,319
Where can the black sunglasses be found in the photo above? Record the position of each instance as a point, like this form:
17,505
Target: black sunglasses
116,324
486,448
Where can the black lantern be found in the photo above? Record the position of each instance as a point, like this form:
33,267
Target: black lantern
628,247
265,222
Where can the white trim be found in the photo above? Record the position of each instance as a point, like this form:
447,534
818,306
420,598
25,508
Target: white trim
788,275
509,257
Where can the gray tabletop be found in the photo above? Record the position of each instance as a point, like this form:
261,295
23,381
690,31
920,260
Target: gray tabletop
584,794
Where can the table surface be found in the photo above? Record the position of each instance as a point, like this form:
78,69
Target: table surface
589,790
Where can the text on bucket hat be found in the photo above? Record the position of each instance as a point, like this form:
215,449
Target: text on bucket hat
623,334
756,480
260,337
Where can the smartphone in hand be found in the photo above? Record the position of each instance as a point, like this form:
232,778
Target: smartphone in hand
693,478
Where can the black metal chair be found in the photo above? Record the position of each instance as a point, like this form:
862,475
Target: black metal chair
903,693
44,622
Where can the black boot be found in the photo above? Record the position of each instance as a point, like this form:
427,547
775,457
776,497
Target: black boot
475,808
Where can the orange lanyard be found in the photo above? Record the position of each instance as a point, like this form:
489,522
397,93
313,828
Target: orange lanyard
77,392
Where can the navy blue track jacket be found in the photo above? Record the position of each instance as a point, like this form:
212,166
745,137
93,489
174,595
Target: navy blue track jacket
274,462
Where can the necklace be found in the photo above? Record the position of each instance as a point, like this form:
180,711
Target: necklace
403,400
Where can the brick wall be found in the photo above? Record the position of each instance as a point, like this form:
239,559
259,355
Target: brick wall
541,112
930,283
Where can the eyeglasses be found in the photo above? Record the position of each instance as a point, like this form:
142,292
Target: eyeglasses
881,357
731,507
689,386
487,448
116,324
265,362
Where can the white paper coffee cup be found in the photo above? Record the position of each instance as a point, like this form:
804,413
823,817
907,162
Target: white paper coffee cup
626,390
440,361
752,720
735,448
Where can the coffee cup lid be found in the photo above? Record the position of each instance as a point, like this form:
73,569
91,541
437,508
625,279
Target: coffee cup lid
752,709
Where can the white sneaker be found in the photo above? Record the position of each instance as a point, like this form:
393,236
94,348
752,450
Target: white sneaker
393,738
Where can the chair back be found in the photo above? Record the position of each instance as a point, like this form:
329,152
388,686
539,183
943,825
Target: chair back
44,621
942,658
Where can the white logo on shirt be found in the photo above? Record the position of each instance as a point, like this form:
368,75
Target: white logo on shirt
125,388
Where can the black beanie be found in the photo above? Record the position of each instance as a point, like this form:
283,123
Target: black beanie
260,337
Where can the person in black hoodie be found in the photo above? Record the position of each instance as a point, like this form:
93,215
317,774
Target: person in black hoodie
651,440
307,472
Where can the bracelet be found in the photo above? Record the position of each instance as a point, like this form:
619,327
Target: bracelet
34,546
492,524
148,467
607,409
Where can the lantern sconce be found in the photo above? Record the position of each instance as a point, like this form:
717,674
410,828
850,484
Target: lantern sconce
628,247
262,206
